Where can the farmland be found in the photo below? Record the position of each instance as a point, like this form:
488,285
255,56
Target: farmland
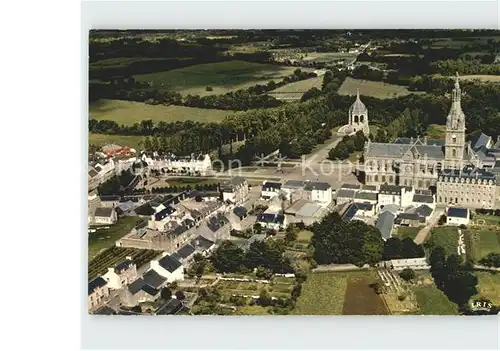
114,255
278,287
221,76
483,78
482,242
296,89
100,140
335,293
433,301
104,238
378,90
489,286
130,112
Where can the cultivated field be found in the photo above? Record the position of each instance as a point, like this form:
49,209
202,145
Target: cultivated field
295,90
278,287
104,238
221,76
446,237
114,255
130,112
489,286
122,140
433,301
336,293
379,90
482,242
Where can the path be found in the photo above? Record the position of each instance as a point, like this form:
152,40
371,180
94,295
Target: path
424,232
338,268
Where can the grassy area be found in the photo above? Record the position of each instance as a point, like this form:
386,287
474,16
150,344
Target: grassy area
407,232
436,131
379,90
361,298
104,238
322,294
304,236
433,301
221,76
254,310
482,242
275,288
130,112
114,255
181,182
482,77
489,286
122,140
296,89
446,237
355,156
480,218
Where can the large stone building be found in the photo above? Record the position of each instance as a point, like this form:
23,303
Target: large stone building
463,173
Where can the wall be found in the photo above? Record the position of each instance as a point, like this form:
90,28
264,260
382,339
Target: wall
457,221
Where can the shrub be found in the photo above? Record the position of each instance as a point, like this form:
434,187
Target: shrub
209,89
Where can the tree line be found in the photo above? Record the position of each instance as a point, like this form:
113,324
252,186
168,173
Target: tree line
348,145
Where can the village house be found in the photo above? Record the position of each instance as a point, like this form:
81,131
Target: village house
169,268
98,293
318,192
109,200
235,190
121,275
395,194
304,211
270,190
359,211
105,215
457,216
143,289
271,221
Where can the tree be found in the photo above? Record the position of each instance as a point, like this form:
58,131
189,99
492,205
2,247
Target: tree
228,257
296,291
264,298
407,274
198,198
491,260
173,285
290,236
180,295
263,273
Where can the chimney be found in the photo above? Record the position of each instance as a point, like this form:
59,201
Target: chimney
129,258
425,140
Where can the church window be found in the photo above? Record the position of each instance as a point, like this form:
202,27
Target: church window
383,179
376,177
453,153
440,199
454,139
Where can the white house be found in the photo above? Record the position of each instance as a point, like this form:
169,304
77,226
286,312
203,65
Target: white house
235,190
319,192
168,267
413,263
105,215
272,221
121,275
358,211
270,190
394,194
457,216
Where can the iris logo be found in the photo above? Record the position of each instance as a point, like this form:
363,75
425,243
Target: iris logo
481,305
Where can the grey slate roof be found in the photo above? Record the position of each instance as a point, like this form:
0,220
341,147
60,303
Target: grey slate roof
271,186
390,189
366,196
436,142
169,263
424,210
150,290
385,222
423,198
96,283
317,186
122,266
457,212
136,285
185,251
153,279
346,193
240,211
103,212
295,184
398,150
164,213
201,242
171,307
350,186
109,198
271,218
105,310
354,208
479,141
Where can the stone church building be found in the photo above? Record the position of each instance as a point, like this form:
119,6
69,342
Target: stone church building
464,173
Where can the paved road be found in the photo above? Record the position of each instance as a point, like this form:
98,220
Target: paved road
424,232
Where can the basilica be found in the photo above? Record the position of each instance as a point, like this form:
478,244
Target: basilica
464,173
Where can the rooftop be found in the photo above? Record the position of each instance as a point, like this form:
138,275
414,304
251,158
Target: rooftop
361,195
153,279
295,184
186,251
271,218
123,265
96,283
351,186
317,186
103,212
346,193
457,212
202,243
390,189
169,263
385,222
423,198
271,186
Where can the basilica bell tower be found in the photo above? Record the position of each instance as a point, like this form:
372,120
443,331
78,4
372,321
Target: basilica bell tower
455,147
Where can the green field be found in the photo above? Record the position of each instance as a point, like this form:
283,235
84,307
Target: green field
130,112
296,89
446,237
433,301
489,286
482,77
379,90
122,140
221,76
483,242
304,236
436,131
480,219
322,294
277,288
104,238
407,232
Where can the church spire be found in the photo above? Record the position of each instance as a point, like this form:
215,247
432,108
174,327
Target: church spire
457,93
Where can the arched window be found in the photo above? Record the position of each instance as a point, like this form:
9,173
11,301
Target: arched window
440,199
376,177
453,153
454,139
383,179
361,118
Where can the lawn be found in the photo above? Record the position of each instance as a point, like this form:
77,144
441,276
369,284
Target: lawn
433,301
379,90
482,242
104,238
436,131
407,232
221,76
182,182
304,236
446,237
480,218
489,286
122,140
130,112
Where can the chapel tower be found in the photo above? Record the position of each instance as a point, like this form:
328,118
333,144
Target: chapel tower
455,146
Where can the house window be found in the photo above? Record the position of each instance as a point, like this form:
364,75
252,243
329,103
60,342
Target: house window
440,199
453,153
